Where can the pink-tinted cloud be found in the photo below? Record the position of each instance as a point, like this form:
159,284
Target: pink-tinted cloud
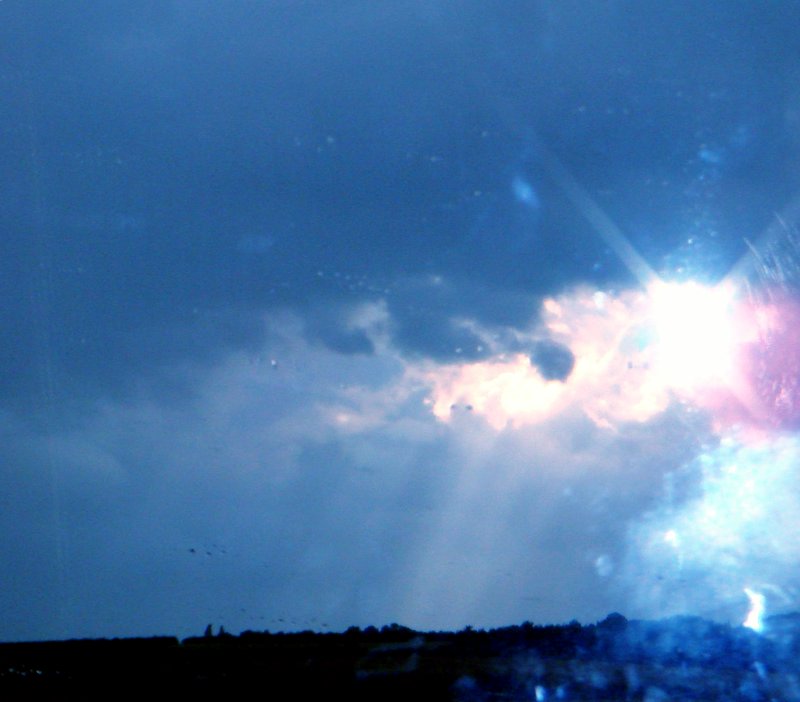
613,379
636,351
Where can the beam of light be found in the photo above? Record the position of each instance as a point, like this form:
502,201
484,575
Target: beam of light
772,234
755,616
605,227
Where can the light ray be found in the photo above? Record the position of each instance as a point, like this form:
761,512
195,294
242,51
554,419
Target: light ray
783,221
602,224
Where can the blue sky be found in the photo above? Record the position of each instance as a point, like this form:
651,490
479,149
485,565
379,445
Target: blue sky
309,318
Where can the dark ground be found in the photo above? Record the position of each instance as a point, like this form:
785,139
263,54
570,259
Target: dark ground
683,659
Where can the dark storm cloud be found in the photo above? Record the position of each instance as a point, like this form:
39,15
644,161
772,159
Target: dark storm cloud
333,326
554,361
436,317
179,159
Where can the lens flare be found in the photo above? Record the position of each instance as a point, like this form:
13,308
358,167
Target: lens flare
695,332
737,358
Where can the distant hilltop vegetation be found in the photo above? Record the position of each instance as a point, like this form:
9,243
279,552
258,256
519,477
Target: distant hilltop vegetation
682,658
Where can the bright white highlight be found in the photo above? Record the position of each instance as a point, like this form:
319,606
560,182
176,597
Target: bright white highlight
755,616
695,335
671,537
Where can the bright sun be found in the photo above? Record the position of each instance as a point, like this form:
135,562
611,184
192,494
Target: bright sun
695,333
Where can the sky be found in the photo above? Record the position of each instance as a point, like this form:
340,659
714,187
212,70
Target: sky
332,313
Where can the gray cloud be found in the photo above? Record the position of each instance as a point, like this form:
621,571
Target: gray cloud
554,361
230,229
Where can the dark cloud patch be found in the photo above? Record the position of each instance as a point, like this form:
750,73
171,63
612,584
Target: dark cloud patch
346,341
335,327
553,360
440,317
436,336
165,166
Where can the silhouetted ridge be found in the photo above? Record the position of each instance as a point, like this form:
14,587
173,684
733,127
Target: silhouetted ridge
685,658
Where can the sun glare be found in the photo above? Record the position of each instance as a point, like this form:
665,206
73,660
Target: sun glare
694,329
635,351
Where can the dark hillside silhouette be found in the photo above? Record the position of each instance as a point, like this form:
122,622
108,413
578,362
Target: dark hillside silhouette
684,658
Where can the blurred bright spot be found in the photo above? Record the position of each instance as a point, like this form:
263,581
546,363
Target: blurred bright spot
524,192
755,616
671,537
604,566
